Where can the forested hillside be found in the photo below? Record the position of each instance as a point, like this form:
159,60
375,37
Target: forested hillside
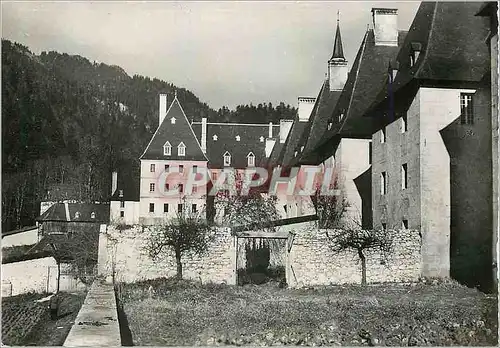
67,123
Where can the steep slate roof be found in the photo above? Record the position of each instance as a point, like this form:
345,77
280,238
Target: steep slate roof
287,153
272,161
318,122
57,212
367,76
453,52
338,51
176,133
249,135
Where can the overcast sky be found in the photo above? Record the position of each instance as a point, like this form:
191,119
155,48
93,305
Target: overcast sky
227,53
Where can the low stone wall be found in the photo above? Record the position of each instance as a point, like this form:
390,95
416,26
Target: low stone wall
29,276
312,262
124,254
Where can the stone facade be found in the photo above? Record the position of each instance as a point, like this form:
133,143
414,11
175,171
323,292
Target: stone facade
124,254
307,258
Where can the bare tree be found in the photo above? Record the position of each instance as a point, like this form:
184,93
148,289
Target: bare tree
186,234
360,241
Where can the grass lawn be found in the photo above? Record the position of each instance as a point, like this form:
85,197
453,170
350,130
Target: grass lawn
185,313
31,323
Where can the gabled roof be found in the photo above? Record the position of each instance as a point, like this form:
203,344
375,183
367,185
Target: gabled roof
226,135
453,51
57,212
287,154
366,78
175,133
318,122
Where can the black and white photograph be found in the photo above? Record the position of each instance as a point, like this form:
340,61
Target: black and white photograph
249,173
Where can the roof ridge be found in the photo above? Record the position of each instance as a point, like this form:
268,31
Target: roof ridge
159,125
355,80
428,46
189,124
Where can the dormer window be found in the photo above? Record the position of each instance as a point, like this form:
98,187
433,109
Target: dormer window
227,159
120,193
77,215
92,215
251,159
181,150
215,137
392,70
261,139
167,149
295,154
172,120
416,48
302,148
238,138
329,125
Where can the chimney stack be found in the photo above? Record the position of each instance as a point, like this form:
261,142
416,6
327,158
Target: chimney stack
385,26
270,130
306,105
114,182
204,135
163,108
285,127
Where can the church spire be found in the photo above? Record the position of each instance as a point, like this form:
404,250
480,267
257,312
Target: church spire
338,51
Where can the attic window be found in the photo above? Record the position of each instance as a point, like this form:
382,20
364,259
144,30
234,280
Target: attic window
295,154
172,120
215,137
167,149
251,159
329,125
181,149
302,148
227,159
92,215
416,47
77,215
120,193
238,138
261,139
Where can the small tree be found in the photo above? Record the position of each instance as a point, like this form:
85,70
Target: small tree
183,235
360,241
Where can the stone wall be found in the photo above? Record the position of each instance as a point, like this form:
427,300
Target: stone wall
124,254
30,276
312,262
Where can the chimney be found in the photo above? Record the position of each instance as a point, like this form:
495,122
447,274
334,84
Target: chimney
163,108
385,26
306,105
114,182
269,146
204,135
270,130
66,209
285,127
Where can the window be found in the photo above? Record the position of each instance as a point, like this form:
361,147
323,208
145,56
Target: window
215,137
227,159
405,224
181,168
193,208
172,120
120,193
151,207
167,187
152,168
122,214
383,183
152,187
370,153
167,149
165,207
181,149
404,123
285,209
195,189
92,215
329,125
167,168
251,159
384,226
214,176
179,208
404,176
238,138
181,188
261,139
382,135
195,169
466,108
122,204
